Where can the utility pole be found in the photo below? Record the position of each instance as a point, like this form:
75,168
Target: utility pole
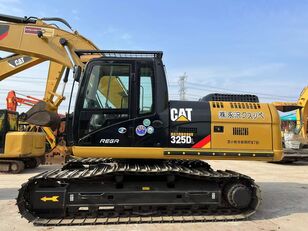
182,90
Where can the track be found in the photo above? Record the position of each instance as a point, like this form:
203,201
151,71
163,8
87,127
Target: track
83,179
17,165
11,166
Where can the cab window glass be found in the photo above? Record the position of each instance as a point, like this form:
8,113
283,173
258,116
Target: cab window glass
146,91
108,87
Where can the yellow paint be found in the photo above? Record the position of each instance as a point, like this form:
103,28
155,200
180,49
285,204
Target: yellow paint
158,153
146,188
181,134
52,199
21,144
7,70
208,145
260,130
182,119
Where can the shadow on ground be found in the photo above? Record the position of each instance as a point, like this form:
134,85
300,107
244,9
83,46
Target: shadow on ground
296,163
40,169
281,199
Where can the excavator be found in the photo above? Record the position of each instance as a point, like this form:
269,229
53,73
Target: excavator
12,100
14,154
295,139
138,156
56,151
15,151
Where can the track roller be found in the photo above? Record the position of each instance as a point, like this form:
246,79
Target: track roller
16,166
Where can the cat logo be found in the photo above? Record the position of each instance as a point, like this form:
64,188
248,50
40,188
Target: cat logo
19,61
180,114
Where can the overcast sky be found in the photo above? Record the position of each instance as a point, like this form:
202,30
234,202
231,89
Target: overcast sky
223,46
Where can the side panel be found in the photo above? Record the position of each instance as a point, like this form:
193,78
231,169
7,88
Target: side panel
24,144
277,139
190,124
243,126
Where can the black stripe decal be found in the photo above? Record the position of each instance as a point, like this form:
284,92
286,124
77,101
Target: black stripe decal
4,29
227,154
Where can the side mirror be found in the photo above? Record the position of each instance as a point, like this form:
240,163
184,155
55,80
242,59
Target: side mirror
77,73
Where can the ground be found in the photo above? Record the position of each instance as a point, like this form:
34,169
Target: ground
284,206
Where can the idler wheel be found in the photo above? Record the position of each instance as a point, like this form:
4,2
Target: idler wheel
17,167
239,195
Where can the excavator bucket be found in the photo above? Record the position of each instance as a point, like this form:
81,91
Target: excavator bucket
40,115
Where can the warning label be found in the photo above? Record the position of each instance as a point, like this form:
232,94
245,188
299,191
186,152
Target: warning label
47,32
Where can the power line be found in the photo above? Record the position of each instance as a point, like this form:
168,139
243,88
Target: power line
182,90
232,90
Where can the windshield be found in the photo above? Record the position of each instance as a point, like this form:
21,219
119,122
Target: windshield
108,87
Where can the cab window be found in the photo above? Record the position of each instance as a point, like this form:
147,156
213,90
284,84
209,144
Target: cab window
108,87
146,91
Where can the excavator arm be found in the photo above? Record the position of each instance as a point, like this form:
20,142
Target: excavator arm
41,41
16,63
13,64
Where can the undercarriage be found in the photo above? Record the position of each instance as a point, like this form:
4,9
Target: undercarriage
104,191
16,165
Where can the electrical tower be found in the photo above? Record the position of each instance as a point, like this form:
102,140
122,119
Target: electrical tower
182,90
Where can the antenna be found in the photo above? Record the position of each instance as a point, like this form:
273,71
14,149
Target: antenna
182,90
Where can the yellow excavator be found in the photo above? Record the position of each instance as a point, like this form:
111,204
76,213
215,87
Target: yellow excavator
295,139
16,152
138,155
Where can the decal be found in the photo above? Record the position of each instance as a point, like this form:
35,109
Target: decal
181,140
204,143
32,30
243,142
141,130
146,122
150,130
19,61
4,31
109,141
180,114
240,115
122,130
181,134
52,199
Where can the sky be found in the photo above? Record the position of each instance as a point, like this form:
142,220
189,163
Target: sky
237,46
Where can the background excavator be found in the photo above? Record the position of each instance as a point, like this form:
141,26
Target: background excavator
56,150
294,133
138,155
15,151
12,100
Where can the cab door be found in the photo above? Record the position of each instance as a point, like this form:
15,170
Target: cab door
146,132
103,111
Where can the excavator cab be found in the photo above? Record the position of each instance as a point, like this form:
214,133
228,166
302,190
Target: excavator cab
119,92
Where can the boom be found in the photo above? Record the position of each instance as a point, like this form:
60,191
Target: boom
39,41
